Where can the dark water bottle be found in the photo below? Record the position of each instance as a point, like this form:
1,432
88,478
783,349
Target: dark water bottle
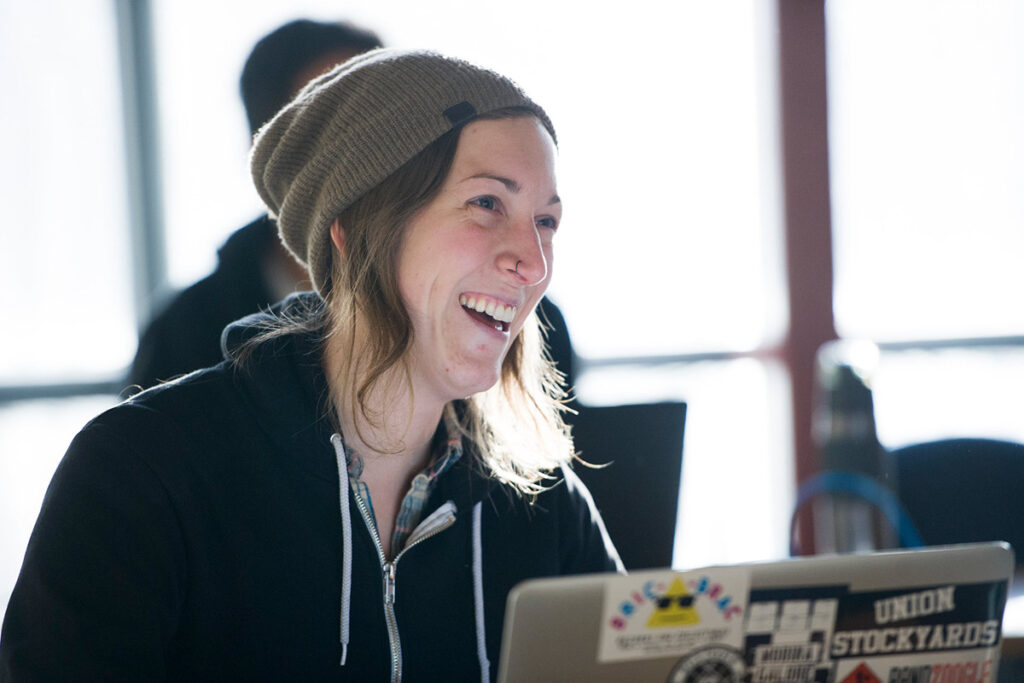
845,519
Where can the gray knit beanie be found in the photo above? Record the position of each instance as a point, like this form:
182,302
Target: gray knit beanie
348,130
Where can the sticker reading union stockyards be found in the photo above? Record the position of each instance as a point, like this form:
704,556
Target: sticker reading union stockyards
926,620
824,634
664,613
929,634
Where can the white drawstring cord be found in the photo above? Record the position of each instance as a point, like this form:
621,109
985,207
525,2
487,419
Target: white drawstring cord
478,599
346,543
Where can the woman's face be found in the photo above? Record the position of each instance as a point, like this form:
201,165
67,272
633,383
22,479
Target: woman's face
475,261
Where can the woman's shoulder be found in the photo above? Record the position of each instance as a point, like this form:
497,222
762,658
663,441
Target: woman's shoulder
199,396
272,372
170,417
218,414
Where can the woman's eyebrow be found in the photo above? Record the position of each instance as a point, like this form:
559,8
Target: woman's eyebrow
511,185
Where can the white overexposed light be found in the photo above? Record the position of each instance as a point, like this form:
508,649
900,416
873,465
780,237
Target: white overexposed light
927,161
65,265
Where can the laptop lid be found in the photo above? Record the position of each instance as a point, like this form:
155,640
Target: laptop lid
641,444
908,616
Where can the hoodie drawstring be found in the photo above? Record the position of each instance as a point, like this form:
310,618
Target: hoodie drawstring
346,543
478,598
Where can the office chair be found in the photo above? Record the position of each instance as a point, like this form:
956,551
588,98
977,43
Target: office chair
637,492
964,490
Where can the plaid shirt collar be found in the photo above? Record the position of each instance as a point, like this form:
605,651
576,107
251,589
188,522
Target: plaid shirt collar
415,501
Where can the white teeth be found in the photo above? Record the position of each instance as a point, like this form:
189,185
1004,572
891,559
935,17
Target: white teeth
505,313
496,310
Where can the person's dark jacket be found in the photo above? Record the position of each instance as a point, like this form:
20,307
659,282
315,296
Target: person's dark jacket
194,533
185,335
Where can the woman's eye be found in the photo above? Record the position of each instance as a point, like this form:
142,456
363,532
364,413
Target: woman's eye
547,222
486,202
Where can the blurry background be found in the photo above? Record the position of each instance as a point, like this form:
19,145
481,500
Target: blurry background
743,180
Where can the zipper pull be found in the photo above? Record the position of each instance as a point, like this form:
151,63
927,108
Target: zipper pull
389,583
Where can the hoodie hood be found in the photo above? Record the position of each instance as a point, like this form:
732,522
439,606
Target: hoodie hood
306,307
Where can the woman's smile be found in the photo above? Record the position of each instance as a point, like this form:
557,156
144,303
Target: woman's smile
489,311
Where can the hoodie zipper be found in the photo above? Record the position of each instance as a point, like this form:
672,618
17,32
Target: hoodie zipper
438,521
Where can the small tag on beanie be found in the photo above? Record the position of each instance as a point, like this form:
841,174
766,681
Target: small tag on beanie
457,114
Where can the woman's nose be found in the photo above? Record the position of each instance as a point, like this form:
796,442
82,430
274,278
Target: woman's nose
523,257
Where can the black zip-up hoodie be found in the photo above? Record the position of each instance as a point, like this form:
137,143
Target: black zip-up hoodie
197,532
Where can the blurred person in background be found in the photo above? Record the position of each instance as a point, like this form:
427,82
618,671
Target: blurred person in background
254,269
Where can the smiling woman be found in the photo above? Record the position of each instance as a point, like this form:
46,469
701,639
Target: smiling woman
396,428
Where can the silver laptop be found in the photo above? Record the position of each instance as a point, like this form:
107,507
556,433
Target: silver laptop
913,616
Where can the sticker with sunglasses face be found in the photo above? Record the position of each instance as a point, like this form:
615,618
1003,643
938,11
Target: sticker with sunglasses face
674,608
656,614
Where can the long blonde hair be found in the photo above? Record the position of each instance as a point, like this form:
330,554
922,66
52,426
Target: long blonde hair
514,431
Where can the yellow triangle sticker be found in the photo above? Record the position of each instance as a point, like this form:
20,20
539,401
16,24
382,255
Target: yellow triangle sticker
674,608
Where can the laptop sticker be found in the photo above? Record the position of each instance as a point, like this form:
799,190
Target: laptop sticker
655,614
930,634
714,663
862,674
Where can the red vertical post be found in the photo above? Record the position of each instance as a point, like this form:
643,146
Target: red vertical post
804,137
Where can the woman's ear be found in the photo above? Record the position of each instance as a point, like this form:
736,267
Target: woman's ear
338,236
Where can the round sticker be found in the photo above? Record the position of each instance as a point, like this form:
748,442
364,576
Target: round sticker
711,664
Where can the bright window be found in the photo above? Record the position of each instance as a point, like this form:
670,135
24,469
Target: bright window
65,265
737,479
925,103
